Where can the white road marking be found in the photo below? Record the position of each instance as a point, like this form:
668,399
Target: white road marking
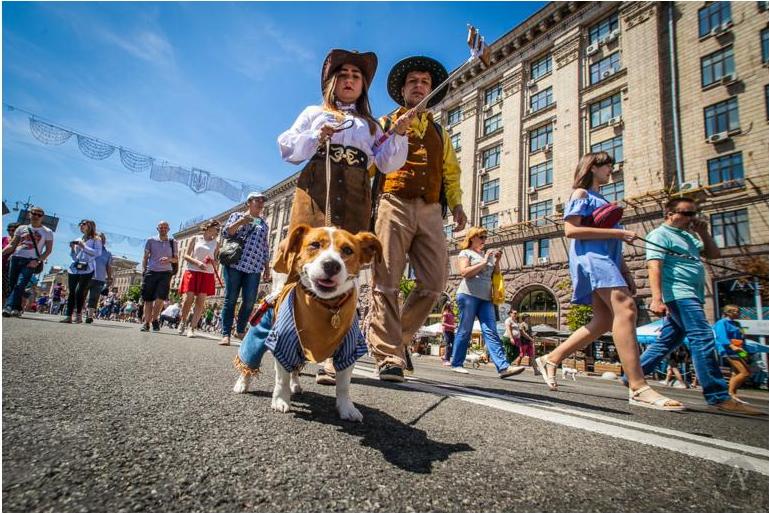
718,451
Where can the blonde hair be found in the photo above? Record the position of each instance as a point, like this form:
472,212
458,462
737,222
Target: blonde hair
474,231
362,105
583,175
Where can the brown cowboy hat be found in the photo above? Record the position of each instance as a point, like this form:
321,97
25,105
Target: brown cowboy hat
397,77
367,63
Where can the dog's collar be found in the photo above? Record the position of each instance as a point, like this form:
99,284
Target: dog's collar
331,304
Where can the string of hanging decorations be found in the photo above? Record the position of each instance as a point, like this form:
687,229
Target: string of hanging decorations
198,180
112,237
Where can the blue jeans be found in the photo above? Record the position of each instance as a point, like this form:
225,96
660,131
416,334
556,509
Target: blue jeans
236,282
686,318
471,307
253,348
19,276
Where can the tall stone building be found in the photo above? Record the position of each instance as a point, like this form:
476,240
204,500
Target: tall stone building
676,92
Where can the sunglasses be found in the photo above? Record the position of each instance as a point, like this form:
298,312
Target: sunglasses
687,213
36,214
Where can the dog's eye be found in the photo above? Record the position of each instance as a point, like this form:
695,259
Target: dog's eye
314,245
347,251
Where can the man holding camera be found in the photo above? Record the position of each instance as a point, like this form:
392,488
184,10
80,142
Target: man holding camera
30,246
678,293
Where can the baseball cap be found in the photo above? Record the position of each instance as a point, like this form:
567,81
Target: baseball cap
257,195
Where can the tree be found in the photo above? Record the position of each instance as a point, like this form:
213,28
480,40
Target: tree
134,292
578,316
406,286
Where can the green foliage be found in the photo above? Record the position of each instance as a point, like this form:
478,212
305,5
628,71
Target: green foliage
564,284
406,286
134,292
578,316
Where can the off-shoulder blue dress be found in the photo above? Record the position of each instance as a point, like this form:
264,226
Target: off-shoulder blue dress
593,264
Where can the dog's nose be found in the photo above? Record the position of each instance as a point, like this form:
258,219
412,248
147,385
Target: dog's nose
331,267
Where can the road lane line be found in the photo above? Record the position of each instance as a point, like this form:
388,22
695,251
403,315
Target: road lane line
677,441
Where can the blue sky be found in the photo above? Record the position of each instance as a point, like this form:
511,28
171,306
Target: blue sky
206,85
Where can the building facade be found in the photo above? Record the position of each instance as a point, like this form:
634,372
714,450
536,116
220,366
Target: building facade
676,92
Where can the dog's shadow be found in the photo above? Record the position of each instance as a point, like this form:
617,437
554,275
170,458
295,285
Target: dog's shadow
401,444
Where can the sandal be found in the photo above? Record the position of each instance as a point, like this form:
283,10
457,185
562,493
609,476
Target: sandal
542,364
661,403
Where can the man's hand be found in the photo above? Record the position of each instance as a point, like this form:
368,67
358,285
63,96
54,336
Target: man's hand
460,219
658,307
699,226
402,125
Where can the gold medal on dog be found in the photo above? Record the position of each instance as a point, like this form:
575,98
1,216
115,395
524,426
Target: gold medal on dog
335,320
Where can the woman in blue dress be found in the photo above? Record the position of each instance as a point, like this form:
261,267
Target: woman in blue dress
600,278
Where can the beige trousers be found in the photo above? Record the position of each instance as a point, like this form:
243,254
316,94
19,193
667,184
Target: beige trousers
414,229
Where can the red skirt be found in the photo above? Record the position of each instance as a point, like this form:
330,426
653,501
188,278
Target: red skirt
198,283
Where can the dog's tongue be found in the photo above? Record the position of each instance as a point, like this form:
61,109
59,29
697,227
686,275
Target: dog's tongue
326,283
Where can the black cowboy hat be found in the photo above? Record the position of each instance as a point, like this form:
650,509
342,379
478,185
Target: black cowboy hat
367,62
397,77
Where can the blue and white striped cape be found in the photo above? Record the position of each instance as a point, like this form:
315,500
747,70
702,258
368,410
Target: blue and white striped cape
284,343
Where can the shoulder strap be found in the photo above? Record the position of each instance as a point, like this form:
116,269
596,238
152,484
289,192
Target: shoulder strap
173,253
34,242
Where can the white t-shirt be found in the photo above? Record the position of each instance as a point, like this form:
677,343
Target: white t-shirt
511,328
172,310
202,249
25,249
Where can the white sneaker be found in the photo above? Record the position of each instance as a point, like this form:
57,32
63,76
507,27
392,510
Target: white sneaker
460,370
190,333
181,329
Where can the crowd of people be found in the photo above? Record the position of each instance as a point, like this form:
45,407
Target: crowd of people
416,182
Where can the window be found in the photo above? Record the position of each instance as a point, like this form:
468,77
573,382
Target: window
713,15
541,67
602,111
612,146
286,212
765,45
490,157
490,222
599,31
455,116
456,142
614,191
539,211
604,68
540,137
716,65
490,190
730,228
492,124
722,117
492,94
528,252
541,100
544,248
541,174
725,169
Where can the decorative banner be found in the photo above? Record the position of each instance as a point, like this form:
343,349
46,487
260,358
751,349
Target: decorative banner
198,180
113,238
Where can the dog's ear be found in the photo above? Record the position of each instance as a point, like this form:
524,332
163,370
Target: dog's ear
370,246
289,248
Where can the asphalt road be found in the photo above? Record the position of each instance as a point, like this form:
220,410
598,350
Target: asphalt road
105,418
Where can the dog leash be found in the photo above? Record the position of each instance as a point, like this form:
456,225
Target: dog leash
344,125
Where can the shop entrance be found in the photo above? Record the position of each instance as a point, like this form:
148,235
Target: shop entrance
539,303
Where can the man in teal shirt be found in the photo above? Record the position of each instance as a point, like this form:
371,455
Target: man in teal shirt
678,293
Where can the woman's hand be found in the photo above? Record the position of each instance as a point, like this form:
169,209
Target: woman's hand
326,131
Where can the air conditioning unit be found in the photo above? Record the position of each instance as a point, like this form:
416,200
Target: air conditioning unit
716,138
606,74
591,49
548,148
721,28
689,186
617,167
616,120
544,260
483,204
613,35
559,208
531,83
531,190
482,171
728,78
486,108
450,128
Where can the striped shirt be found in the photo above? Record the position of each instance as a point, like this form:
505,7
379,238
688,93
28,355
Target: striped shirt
283,341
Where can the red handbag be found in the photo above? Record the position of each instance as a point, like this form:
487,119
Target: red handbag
606,216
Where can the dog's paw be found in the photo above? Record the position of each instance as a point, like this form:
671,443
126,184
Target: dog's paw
241,385
348,411
280,405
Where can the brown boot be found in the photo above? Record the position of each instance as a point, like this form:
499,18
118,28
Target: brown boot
732,406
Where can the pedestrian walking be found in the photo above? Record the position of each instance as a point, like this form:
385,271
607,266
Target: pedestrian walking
474,300
84,252
102,277
6,259
673,376
526,343
730,343
30,246
160,257
410,211
56,298
241,275
171,315
449,326
600,278
198,280
678,294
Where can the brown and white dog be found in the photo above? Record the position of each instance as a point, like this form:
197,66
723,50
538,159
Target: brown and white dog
327,262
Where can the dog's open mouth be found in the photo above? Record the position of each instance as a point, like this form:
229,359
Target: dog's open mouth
325,284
